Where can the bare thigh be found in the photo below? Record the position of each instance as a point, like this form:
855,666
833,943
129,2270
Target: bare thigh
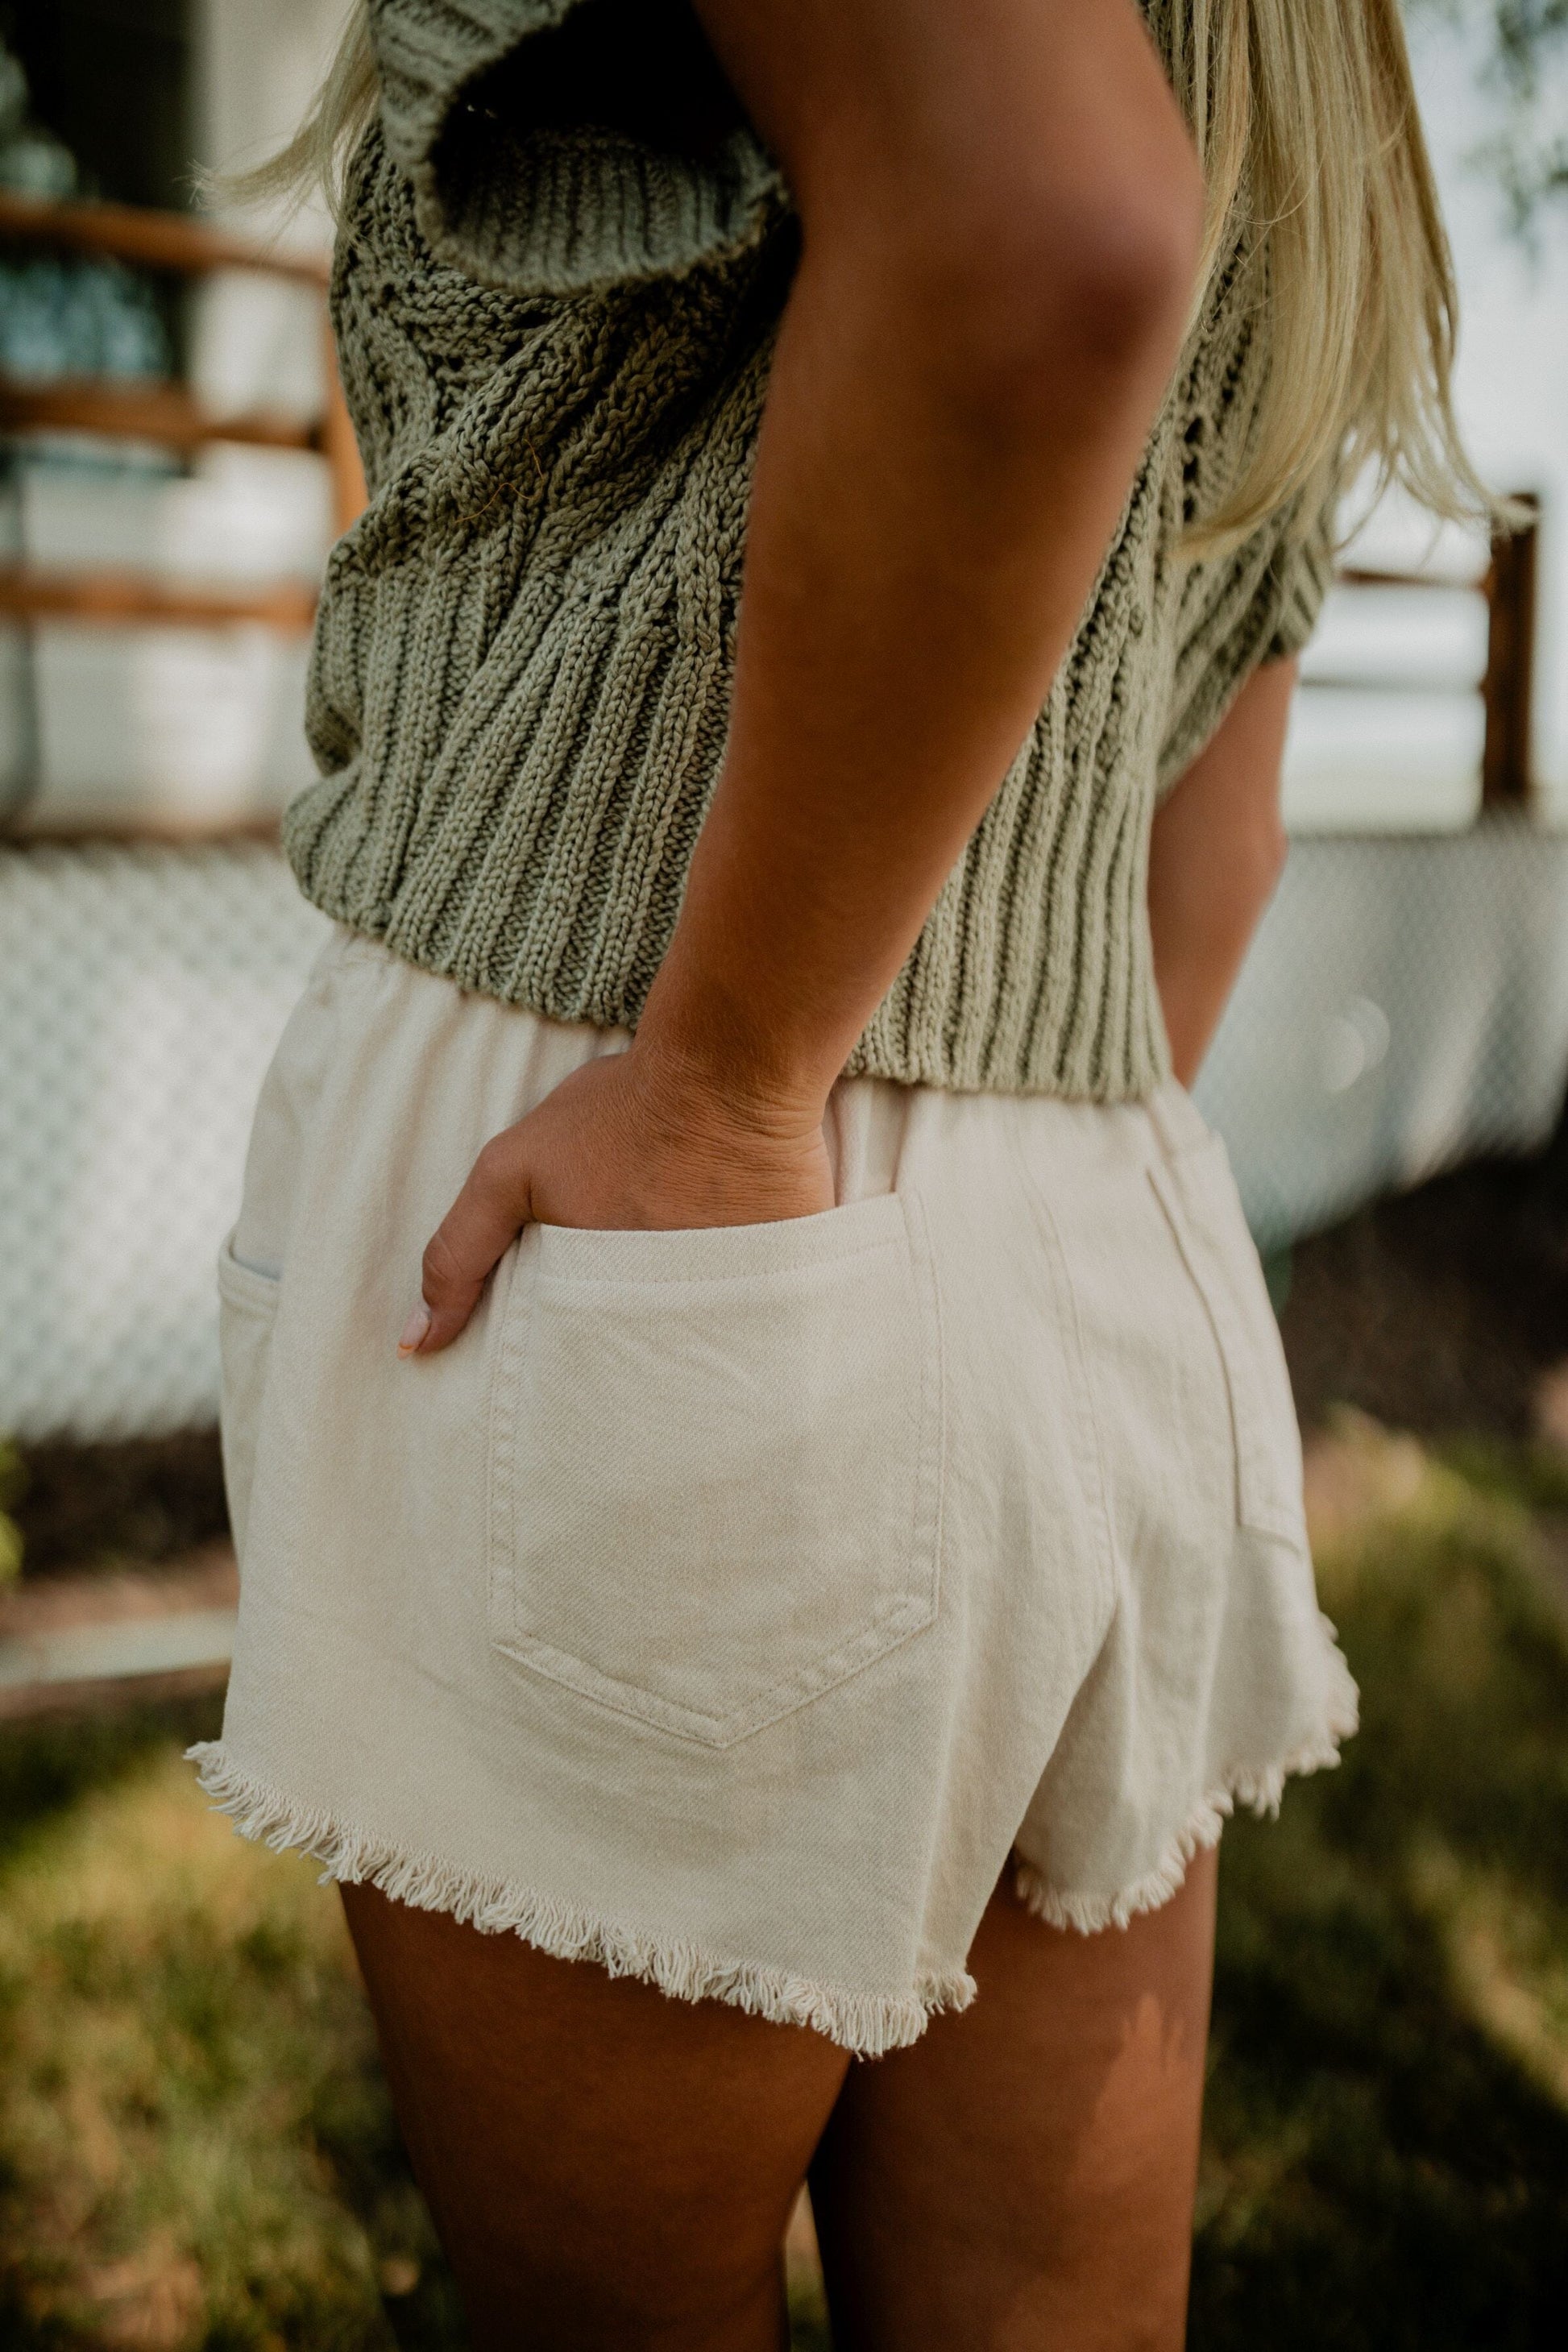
1022,2178
609,2167
610,2170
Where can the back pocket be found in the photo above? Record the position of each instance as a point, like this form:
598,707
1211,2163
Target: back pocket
715,1462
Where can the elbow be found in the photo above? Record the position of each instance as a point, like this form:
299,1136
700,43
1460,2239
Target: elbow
1098,280
1053,301
1120,282
1032,215
1068,271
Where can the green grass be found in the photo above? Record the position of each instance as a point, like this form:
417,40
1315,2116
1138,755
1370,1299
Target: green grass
195,2145
13,1485
196,2150
1387,2144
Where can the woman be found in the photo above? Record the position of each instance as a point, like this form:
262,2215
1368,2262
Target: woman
800,723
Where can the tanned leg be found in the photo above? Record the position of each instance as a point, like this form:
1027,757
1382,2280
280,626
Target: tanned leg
610,2170
1021,2179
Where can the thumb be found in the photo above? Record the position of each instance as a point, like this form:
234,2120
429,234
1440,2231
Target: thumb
481,1224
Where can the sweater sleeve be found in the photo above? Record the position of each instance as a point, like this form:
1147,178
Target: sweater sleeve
559,146
1259,604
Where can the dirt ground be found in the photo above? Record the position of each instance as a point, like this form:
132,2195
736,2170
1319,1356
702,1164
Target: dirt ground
120,1507
1442,1310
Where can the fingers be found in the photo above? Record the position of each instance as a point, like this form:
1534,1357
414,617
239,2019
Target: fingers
481,1223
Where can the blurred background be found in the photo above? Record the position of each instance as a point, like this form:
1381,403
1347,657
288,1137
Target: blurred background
195,2146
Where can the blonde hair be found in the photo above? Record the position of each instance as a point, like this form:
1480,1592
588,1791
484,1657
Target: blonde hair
1305,119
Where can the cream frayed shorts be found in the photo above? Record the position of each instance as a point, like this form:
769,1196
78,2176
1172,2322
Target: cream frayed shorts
727,1607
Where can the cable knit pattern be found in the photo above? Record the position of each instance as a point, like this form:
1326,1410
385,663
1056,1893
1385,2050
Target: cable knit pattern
555,341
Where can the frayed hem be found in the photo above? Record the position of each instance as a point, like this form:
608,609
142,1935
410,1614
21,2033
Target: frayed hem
1258,1787
868,2024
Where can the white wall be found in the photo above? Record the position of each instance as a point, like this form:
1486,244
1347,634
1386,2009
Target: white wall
1409,760
258,65
1513,356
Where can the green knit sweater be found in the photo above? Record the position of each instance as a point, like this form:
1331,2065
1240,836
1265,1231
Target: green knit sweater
556,296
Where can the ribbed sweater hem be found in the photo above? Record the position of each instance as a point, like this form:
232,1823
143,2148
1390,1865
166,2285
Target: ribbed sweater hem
903,1044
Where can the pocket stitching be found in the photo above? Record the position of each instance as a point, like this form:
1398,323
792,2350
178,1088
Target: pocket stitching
1088,1443
501,1450
1253,1509
824,1253
894,1623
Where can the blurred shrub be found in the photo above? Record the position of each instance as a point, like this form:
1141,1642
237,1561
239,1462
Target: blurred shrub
12,1486
1386,2164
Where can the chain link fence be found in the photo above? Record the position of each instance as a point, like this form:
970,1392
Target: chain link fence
1405,1005
142,992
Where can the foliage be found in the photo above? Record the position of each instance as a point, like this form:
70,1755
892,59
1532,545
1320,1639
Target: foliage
1525,67
12,1486
1387,2157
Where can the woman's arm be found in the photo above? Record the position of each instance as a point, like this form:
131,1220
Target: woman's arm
1001,215
1214,861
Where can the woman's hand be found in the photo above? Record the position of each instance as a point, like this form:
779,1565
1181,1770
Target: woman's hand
625,1142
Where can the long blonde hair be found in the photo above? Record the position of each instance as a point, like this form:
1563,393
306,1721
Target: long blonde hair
1306,123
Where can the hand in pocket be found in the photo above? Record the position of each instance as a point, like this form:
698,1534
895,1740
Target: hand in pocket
628,1143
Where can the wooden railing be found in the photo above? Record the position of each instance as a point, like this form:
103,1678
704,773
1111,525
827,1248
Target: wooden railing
1507,686
169,415
30,591
151,240
165,413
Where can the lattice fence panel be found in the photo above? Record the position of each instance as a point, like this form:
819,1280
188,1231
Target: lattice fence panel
142,992
1405,1006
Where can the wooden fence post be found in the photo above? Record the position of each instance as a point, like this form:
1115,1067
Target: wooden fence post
1506,778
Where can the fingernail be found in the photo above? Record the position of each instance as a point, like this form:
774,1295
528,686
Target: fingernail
414,1330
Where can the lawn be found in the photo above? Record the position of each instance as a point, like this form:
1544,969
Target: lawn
196,2149
1386,2158
195,2145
